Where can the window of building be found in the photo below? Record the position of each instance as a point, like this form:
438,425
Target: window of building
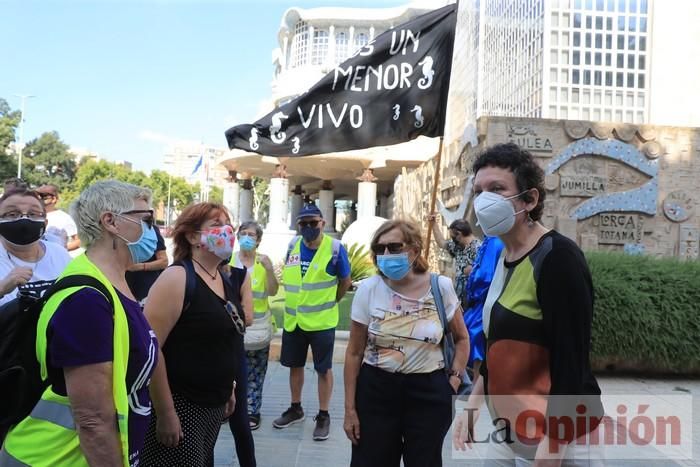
596,115
633,23
576,57
598,78
599,22
341,47
608,41
608,59
608,78
586,77
620,42
608,98
588,58
620,60
600,5
577,20
642,44
641,62
599,41
621,6
586,96
618,98
632,43
300,44
589,22
643,6
633,6
607,115
619,79
319,50
618,115
565,58
630,80
598,58
575,77
640,100
575,96
630,61
361,40
585,114
608,24
577,39
641,81
611,5
642,24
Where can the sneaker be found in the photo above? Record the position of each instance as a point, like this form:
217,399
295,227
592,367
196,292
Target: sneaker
254,420
323,425
289,417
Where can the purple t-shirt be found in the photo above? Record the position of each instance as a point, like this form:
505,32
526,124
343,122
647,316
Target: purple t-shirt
81,333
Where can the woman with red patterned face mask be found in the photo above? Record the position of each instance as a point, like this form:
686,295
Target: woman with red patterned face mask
197,315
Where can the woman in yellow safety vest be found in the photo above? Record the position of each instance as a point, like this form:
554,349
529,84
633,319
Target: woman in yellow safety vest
97,357
258,336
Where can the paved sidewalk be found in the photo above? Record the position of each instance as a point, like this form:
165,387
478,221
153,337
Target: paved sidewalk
294,447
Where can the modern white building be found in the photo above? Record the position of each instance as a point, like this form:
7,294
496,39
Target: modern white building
602,60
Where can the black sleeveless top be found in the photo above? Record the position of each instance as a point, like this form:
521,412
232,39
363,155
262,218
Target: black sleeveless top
202,351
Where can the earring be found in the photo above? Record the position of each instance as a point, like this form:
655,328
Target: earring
114,243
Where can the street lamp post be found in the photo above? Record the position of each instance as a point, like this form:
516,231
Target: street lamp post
24,98
167,220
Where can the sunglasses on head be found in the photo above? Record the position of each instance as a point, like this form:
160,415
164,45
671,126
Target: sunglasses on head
46,195
312,224
392,247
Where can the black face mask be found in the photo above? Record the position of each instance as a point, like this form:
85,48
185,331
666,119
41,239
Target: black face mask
22,231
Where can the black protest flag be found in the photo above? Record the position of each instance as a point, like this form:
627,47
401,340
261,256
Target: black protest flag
392,90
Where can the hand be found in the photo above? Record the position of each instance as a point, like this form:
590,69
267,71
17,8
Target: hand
463,432
351,425
168,429
265,261
231,404
455,381
431,217
18,276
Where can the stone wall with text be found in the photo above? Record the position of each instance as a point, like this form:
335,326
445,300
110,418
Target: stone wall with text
632,188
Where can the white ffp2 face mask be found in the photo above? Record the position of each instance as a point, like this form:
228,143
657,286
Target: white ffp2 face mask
495,213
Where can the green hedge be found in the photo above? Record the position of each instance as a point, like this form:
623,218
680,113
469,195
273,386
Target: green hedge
647,313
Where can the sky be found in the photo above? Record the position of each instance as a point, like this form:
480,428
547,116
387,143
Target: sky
125,79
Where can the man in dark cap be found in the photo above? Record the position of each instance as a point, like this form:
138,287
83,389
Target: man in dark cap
316,275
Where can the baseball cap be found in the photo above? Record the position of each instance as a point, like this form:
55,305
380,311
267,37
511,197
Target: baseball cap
309,210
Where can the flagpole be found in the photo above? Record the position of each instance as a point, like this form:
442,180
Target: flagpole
433,198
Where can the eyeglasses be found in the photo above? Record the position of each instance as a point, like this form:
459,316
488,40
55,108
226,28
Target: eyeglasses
393,247
247,234
16,215
312,224
149,219
46,195
235,317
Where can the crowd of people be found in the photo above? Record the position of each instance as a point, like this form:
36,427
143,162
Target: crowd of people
146,368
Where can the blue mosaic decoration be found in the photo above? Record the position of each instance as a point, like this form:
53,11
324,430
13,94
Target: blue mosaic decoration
634,249
642,199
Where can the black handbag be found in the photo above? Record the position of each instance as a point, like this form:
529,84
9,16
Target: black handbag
448,343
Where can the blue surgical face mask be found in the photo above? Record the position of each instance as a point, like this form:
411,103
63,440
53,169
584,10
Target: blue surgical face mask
142,249
247,243
310,233
395,267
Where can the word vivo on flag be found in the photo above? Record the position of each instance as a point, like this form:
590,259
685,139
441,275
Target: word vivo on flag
392,90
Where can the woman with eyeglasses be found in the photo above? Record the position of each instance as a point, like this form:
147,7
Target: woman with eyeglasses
98,349
28,264
259,335
537,323
398,388
199,326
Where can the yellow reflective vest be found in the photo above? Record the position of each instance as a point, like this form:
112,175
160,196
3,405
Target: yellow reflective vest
310,302
258,284
48,436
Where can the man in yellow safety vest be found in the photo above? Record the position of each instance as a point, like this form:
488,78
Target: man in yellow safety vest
316,276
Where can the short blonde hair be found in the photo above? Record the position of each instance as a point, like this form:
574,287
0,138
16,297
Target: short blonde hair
100,197
411,237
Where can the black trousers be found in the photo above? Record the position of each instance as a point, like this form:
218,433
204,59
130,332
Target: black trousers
239,421
401,415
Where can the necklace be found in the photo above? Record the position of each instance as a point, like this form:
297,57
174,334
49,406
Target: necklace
213,276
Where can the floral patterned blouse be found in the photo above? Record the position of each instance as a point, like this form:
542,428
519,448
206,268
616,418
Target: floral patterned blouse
464,256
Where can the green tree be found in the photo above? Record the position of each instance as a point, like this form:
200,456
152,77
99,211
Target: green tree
9,121
261,200
216,194
47,159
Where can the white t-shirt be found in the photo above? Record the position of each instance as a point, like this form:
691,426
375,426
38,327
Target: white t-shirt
46,270
404,334
61,223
